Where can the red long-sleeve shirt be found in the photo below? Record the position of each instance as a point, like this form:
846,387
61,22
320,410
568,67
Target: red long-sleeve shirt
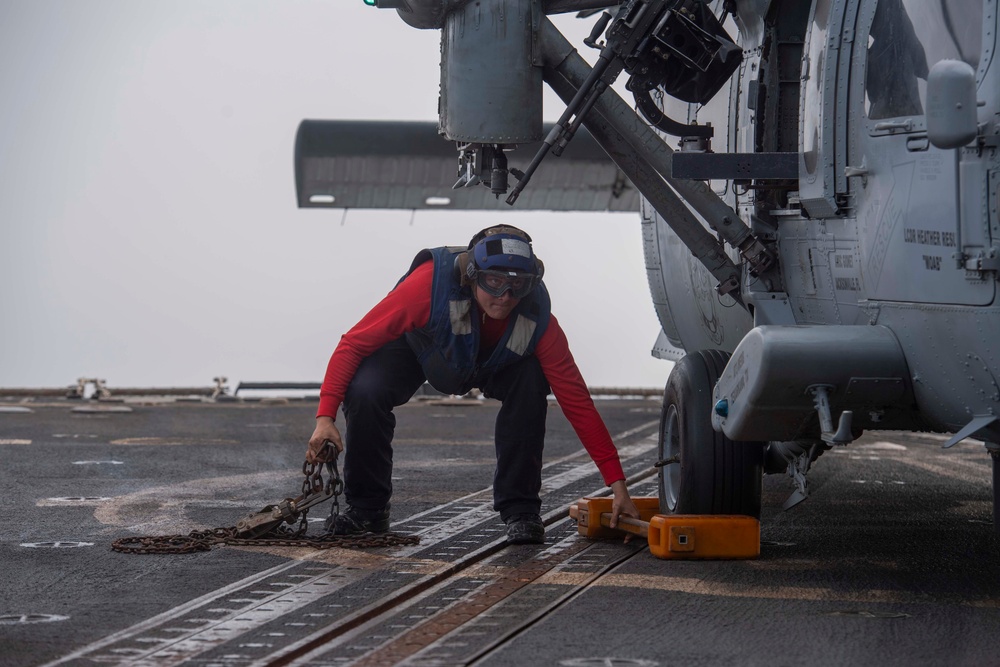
408,307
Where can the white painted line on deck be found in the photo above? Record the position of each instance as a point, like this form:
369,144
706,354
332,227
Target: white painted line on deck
170,615
212,633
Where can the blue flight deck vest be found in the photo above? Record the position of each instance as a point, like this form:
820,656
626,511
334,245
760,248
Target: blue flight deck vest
448,347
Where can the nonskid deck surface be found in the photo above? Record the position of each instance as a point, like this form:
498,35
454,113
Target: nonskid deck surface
894,542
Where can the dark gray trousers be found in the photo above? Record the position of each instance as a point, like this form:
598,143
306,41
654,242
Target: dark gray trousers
391,376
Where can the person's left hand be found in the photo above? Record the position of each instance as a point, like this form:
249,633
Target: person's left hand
622,505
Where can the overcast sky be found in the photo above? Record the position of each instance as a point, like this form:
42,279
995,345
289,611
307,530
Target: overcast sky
148,228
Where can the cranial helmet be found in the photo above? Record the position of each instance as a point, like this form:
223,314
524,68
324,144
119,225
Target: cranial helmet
502,252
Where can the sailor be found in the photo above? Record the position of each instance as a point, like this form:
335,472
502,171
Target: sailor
461,318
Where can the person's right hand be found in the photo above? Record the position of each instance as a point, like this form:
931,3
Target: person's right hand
325,430
622,505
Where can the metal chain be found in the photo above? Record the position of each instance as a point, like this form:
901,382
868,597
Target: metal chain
334,485
204,540
278,535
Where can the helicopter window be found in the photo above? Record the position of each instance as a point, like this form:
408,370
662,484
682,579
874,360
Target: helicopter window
906,38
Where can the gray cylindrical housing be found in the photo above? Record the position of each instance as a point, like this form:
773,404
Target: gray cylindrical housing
491,88
767,383
952,117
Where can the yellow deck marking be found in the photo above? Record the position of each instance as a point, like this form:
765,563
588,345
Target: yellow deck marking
697,586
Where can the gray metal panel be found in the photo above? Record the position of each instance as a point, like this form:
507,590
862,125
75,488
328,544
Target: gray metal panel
657,280
430,14
846,73
986,74
693,315
491,87
664,349
399,165
823,272
818,109
951,354
741,166
908,207
771,308
566,6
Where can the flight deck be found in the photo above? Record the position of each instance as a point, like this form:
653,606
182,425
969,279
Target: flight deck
893,557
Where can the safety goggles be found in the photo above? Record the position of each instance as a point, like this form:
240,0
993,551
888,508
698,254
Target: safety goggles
495,283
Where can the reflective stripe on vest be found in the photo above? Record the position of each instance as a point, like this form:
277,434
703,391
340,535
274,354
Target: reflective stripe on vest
448,347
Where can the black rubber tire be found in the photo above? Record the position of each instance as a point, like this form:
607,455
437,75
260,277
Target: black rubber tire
712,474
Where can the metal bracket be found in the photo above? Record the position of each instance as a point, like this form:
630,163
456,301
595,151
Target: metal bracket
983,261
756,253
468,174
821,399
797,469
732,284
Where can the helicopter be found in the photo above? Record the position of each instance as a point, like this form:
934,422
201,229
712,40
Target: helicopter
818,185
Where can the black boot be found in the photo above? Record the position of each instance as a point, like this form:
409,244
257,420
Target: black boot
355,521
525,529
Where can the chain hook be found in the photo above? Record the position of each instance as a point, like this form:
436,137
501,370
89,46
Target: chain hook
264,528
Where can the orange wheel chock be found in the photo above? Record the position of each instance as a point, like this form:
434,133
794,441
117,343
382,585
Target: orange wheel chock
673,536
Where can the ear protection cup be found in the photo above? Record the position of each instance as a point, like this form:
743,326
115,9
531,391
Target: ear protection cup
465,270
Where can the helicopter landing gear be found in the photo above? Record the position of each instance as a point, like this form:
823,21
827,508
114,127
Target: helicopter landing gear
701,470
